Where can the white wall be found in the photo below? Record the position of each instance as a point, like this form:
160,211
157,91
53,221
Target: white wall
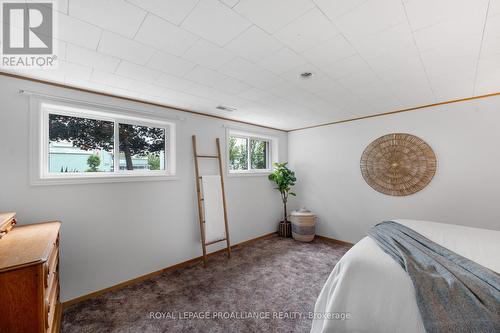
114,232
465,190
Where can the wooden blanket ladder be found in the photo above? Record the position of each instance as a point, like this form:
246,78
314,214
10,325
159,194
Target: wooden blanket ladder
197,156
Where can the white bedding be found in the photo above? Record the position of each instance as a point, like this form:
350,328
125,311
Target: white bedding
378,294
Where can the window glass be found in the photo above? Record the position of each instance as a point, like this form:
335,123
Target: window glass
80,144
141,147
258,154
238,153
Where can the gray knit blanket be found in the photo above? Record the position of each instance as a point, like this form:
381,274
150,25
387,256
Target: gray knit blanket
454,294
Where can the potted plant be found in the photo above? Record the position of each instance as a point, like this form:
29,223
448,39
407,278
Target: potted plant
284,179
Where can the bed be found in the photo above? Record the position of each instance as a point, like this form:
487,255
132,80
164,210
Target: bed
375,294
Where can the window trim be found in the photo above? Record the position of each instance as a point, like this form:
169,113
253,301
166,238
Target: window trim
272,153
39,131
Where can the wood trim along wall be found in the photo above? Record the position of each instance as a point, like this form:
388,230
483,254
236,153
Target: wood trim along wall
60,85
181,265
153,274
335,241
397,111
130,99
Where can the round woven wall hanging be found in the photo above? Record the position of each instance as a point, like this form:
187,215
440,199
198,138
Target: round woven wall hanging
398,164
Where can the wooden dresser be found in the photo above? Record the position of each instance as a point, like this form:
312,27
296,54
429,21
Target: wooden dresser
29,279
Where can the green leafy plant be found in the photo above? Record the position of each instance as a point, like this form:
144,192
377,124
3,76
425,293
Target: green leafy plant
154,162
93,162
284,179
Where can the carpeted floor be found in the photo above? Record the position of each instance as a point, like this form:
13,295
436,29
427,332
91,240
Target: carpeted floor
268,286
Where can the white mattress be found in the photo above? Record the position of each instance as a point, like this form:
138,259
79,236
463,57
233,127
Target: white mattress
378,294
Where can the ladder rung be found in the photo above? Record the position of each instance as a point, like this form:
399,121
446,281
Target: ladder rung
207,156
220,240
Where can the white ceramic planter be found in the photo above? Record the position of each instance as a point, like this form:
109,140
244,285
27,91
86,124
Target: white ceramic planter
303,225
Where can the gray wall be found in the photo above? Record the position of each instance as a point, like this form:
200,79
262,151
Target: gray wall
465,190
115,232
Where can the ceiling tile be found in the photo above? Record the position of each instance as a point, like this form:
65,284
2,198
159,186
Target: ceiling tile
254,94
452,34
371,17
59,5
393,59
491,41
359,81
111,79
254,44
272,15
60,49
75,71
337,8
232,86
281,61
77,32
246,71
396,39
318,83
103,14
121,47
214,21
488,76
174,11
346,66
307,31
425,13
230,3
137,72
91,58
329,51
165,36
205,76
208,54
170,64
494,8
172,82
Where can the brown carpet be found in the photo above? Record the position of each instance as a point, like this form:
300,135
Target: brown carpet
268,286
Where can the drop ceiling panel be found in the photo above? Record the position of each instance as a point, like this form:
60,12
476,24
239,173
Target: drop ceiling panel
208,54
254,44
169,64
205,76
307,31
215,22
127,49
334,9
281,61
381,15
366,56
104,15
174,11
161,34
138,72
329,51
272,15
91,58
77,32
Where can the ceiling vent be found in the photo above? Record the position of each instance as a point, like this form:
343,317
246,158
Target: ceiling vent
225,108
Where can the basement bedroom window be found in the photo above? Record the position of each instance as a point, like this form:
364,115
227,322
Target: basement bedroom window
93,145
250,153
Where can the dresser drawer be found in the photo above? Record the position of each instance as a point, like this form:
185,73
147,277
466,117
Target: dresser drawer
51,303
51,265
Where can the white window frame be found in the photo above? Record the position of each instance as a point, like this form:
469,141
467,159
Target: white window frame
40,175
271,158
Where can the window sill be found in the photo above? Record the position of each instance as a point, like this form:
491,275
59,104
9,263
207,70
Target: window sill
249,173
101,179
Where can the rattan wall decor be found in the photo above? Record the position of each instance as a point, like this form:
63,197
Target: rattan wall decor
398,164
